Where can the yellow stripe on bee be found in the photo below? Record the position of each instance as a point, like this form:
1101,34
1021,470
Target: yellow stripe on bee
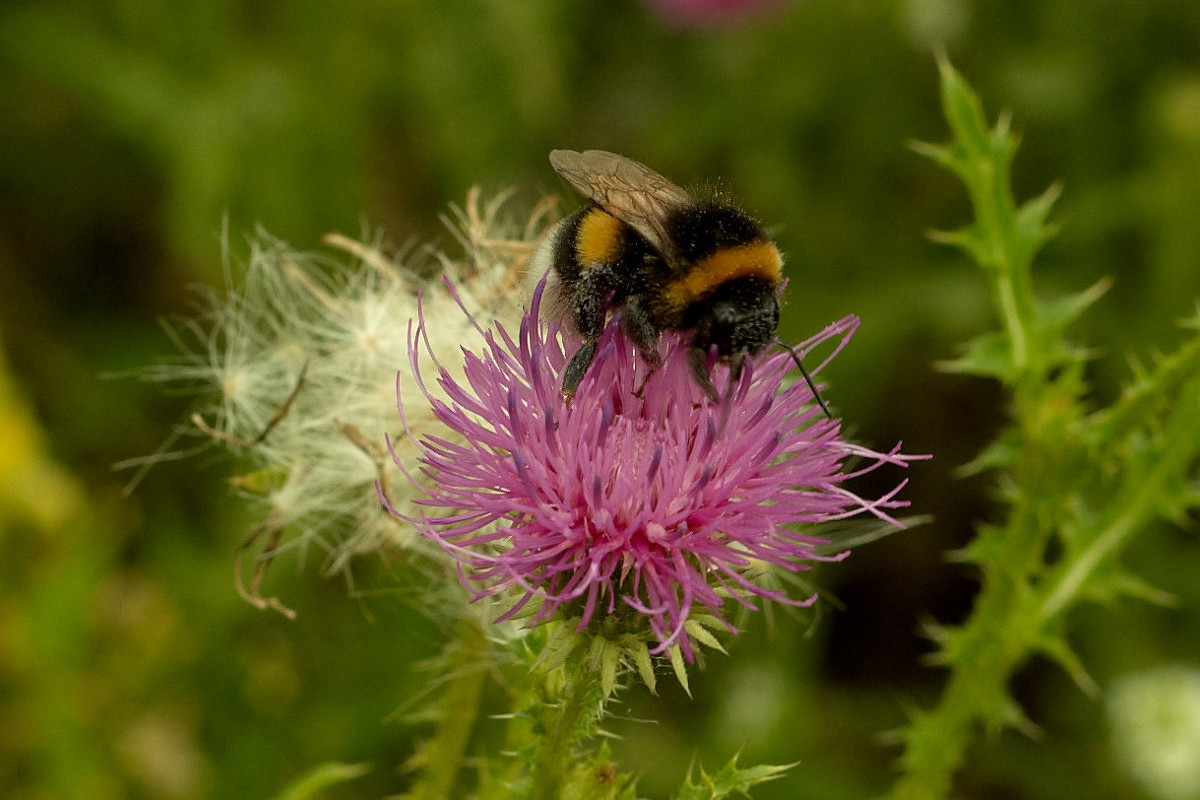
754,260
598,238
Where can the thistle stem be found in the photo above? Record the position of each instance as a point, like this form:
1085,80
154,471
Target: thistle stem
458,713
571,710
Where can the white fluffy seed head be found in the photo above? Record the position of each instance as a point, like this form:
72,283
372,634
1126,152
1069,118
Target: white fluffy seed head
306,347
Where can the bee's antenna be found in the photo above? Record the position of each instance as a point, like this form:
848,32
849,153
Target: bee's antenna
807,378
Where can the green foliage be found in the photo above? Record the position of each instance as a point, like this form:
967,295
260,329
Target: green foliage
727,781
439,759
322,777
1079,485
560,684
132,127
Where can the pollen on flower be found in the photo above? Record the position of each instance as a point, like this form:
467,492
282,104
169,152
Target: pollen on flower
637,495
294,366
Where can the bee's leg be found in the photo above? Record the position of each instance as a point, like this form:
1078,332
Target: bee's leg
591,295
698,359
640,328
737,361
577,368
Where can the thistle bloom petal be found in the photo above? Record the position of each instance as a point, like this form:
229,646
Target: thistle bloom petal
639,493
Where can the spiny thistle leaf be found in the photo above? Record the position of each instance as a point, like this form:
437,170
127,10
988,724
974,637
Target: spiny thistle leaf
1057,314
563,641
728,780
610,659
698,632
988,355
639,651
1076,486
1031,220
1057,650
680,668
969,239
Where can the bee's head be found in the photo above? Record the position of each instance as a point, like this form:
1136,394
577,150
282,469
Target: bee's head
739,317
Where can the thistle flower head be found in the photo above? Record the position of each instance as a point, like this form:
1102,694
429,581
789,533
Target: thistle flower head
639,495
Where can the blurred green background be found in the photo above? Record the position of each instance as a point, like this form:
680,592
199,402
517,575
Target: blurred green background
130,129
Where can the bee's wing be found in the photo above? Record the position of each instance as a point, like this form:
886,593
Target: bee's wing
627,189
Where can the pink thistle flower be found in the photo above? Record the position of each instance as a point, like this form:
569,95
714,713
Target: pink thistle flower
640,492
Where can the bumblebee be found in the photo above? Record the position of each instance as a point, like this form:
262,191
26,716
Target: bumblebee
668,261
